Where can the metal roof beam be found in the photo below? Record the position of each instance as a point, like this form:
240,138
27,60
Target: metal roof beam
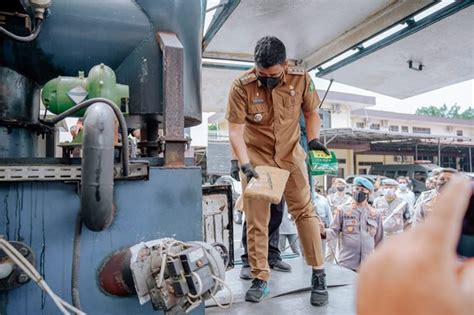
412,27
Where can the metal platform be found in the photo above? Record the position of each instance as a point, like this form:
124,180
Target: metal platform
289,292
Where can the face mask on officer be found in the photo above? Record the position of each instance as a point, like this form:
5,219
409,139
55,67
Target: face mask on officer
269,82
359,196
340,188
403,186
389,193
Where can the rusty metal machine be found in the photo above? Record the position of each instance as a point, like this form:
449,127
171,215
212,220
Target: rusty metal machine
117,64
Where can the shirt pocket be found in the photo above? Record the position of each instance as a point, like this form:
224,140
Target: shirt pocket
372,227
292,105
350,226
258,113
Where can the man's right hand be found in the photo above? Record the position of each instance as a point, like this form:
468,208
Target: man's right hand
234,170
249,172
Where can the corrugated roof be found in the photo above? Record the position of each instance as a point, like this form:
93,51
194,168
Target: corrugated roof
371,113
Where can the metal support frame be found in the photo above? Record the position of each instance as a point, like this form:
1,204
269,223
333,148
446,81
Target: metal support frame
439,153
64,173
221,15
173,99
416,151
470,159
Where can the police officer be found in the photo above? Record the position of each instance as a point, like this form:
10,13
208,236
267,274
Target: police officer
405,192
322,208
359,225
263,113
339,197
395,211
276,215
336,200
426,201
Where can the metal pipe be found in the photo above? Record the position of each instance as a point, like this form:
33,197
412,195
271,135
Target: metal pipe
118,114
23,39
97,182
439,153
470,159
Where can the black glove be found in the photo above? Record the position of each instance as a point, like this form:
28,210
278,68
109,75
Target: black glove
316,145
234,170
249,172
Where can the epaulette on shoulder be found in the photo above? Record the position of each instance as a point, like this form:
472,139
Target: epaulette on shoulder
248,78
296,70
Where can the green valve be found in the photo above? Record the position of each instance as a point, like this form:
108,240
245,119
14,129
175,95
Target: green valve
62,93
321,163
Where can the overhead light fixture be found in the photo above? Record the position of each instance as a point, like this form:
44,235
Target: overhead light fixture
336,59
226,64
432,9
384,35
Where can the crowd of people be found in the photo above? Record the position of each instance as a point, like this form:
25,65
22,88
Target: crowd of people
353,223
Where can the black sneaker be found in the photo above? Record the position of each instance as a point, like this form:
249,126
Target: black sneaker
280,266
319,290
245,273
257,291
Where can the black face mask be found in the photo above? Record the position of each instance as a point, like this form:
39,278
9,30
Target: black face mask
340,188
269,82
359,196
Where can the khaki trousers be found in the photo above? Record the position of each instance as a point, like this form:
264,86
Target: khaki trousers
300,206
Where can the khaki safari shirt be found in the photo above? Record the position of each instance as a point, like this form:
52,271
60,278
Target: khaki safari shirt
271,117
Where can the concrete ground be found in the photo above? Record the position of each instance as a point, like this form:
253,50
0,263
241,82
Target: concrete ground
289,292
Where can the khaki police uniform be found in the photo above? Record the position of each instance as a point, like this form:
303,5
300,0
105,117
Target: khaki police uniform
360,230
272,134
336,201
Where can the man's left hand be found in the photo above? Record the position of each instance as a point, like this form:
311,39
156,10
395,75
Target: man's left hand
315,144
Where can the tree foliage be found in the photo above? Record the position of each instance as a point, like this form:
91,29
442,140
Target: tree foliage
447,112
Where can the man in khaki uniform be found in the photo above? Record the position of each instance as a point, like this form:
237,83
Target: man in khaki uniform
264,107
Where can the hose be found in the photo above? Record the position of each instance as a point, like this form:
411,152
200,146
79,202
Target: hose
33,274
118,114
76,259
23,39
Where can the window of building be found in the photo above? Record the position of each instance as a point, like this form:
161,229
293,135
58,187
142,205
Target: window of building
362,171
390,174
325,115
393,128
360,125
425,131
375,126
459,134
404,128
340,172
